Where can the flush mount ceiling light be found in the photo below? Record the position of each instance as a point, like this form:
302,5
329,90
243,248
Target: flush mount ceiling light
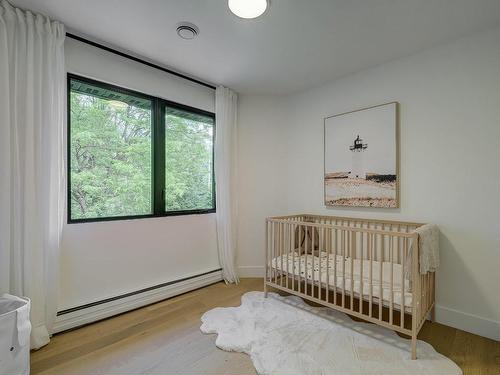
117,104
187,30
247,8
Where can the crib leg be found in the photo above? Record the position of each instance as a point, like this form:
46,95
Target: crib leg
414,347
433,314
265,289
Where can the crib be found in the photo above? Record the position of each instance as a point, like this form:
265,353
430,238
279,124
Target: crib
366,268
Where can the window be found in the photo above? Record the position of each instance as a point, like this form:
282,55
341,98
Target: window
189,160
131,155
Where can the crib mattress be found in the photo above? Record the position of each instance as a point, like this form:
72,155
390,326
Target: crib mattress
332,274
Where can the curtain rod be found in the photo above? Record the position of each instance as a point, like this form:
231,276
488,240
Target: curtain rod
136,59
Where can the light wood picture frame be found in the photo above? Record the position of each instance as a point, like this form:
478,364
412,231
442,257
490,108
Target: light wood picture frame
361,157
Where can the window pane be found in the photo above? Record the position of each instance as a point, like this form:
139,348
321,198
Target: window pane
110,145
188,161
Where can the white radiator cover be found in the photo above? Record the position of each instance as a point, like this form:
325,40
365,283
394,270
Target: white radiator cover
102,311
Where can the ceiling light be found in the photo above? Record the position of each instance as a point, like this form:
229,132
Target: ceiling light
247,8
117,104
187,30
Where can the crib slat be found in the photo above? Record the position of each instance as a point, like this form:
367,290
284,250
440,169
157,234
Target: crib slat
426,286
422,300
381,279
300,257
304,258
294,228
328,250
433,297
283,253
320,245
429,303
266,256
286,245
370,303
352,250
306,266
415,292
398,260
287,252
289,249
403,283
314,258
310,255
335,267
361,263
281,237
391,301
276,251
283,257
271,249
291,259
343,266
431,274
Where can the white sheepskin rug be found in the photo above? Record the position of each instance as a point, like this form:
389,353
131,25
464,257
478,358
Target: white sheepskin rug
284,335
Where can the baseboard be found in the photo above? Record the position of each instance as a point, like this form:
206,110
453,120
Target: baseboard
105,310
468,322
251,271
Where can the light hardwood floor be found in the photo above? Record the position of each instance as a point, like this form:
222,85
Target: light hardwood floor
167,335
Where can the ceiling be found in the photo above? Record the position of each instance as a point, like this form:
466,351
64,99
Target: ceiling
295,45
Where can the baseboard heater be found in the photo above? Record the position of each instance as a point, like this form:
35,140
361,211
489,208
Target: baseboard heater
92,312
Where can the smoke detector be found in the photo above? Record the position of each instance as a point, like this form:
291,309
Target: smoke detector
187,30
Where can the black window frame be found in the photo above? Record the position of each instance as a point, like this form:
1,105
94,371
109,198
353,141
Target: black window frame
158,162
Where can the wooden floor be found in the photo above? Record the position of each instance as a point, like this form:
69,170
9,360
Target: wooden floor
167,335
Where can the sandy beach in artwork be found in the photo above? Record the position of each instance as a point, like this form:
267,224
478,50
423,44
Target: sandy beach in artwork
359,192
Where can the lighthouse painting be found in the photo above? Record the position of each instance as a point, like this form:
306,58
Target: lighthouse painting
361,168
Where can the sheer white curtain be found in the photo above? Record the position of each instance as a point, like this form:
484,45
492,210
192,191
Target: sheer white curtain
32,92
225,178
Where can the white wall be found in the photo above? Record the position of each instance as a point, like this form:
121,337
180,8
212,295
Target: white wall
261,159
106,259
450,153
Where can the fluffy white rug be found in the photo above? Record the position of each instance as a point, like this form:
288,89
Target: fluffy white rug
284,335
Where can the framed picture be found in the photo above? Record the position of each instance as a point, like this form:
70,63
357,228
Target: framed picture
362,157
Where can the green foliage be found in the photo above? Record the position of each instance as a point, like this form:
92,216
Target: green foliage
111,160
188,153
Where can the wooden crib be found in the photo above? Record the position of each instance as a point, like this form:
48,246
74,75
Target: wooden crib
365,268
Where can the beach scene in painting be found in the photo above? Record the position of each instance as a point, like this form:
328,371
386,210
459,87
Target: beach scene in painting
361,158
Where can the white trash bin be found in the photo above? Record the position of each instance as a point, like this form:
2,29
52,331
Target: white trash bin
15,331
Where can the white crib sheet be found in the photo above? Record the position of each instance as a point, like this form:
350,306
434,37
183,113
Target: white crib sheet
295,265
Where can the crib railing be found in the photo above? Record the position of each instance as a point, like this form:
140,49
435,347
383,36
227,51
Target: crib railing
366,268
